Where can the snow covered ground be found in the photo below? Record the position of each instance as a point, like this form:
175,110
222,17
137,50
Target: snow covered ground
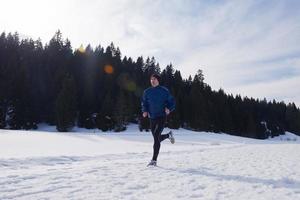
45,164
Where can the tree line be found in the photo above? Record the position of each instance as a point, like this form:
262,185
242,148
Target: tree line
99,88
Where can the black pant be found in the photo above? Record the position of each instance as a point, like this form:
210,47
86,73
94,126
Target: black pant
157,126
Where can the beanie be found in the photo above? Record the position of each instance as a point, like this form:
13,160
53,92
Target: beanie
157,76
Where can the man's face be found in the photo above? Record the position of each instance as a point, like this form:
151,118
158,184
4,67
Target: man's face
154,81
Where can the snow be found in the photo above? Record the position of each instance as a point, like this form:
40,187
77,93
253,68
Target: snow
89,164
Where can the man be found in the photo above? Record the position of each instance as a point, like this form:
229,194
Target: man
157,103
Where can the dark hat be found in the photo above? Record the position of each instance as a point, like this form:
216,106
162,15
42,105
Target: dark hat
157,76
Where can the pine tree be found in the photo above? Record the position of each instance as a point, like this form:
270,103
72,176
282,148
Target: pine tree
66,105
13,115
121,112
32,76
293,118
105,121
2,114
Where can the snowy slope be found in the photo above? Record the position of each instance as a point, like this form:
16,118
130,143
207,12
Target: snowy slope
86,165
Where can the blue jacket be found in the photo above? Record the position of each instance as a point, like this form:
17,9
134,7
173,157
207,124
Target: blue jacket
155,100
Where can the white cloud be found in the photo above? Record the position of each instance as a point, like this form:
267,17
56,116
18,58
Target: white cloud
239,44
280,90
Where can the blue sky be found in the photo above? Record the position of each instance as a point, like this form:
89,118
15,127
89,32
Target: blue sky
245,47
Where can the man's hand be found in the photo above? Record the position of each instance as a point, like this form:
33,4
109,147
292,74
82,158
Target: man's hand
167,111
145,114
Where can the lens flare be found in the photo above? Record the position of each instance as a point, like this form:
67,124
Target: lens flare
108,69
131,86
125,82
81,49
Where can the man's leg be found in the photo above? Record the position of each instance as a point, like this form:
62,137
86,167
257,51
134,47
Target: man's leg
156,144
157,126
162,126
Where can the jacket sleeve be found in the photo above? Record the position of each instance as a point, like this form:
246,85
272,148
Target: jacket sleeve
170,102
145,105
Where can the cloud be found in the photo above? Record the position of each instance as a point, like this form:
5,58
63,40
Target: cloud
280,90
241,46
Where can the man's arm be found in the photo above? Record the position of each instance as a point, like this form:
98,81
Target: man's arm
145,106
170,104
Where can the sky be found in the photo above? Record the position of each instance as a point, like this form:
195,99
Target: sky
248,47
